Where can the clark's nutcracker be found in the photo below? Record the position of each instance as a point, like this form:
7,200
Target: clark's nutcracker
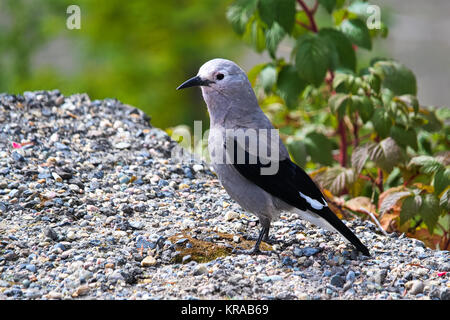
262,179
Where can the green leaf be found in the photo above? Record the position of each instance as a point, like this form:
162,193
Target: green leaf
239,13
441,180
336,179
430,211
281,11
298,29
290,85
410,208
375,82
254,72
268,77
365,108
427,164
433,124
444,201
404,137
360,155
319,147
297,149
274,35
360,9
312,58
254,35
341,82
356,30
339,104
341,45
267,11
386,154
328,4
396,77
391,155
381,122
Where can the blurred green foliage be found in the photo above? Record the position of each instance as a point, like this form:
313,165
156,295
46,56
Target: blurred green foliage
136,51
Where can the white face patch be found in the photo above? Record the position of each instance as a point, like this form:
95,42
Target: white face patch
314,203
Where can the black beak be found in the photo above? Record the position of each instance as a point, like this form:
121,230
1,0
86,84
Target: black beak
194,82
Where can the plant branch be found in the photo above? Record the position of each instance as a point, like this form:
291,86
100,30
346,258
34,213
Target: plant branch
343,143
356,131
411,179
316,6
304,25
310,14
379,180
363,210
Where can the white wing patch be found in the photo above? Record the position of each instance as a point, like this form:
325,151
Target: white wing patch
314,203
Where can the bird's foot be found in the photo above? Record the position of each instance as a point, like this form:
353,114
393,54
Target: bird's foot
268,240
253,251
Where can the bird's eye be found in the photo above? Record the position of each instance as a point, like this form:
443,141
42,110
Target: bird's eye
220,76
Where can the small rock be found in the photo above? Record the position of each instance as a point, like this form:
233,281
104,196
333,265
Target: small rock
307,252
186,258
415,286
122,145
445,294
17,156
148,261
350,276
337,281
81,291
53,295
380,276
200,269
31,267
124,179
231,215
183,186
197,167
57,177
74,188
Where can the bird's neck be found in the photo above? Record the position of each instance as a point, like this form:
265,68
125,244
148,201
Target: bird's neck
230,113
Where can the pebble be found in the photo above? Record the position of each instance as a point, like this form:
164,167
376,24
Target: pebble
415,287
197,167
231,215
74,188
81,291
337,281
148,261
122,145
57,177
97,209
200,270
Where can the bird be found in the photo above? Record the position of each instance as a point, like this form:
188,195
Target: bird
262,180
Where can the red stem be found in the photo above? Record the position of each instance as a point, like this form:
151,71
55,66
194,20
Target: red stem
410,179
355,131
316,6
343,145
310,14
380,180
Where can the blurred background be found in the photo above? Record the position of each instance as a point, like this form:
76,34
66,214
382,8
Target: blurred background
139,51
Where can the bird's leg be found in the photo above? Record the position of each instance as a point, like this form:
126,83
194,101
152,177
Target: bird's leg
264,233
269,240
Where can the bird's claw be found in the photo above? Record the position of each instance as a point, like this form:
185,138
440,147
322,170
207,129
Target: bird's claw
252,251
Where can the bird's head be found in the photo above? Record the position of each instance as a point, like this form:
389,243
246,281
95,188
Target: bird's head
219,75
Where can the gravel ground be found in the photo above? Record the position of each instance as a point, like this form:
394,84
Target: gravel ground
92,206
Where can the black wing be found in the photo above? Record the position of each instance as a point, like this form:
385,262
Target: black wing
287,184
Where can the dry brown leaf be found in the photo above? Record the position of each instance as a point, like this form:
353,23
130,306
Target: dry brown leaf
357,203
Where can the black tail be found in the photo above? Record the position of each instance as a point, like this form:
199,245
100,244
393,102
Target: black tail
332,219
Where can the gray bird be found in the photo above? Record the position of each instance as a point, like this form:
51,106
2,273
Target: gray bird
283,186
